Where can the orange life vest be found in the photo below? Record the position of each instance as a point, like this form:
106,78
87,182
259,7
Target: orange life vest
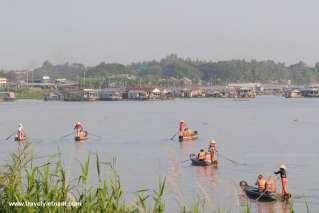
201,156
261,184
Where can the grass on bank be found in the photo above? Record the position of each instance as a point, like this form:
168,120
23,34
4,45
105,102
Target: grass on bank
21,180
30,93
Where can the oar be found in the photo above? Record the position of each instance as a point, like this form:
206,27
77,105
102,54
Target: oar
185,160
11,135
66,135
234,162
89,133
174,135
262,194
188,159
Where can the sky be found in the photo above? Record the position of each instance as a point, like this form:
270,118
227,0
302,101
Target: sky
126,31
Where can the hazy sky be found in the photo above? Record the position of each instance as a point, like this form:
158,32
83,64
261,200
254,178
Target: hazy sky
91,31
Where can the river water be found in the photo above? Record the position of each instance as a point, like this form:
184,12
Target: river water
261,133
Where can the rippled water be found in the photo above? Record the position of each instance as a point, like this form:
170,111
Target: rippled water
263,133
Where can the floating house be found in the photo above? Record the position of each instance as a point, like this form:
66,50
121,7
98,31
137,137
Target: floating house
7,96
310,92
293,93
81,95
143,93
3,82
111,94
54,96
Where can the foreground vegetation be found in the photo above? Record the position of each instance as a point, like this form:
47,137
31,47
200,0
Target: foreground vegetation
22,181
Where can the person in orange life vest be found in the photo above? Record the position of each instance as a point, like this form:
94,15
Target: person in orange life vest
284,181
187,132
20,133
78,128
212,149
201,155
270,185
261,183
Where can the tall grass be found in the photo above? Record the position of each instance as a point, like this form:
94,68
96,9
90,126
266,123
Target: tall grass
21,180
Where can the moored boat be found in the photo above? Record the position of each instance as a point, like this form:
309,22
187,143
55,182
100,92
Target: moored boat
253,193
194,136
196,162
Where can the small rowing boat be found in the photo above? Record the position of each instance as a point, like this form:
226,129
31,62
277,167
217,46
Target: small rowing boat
253,193
194,136
196,162
20,139
82,136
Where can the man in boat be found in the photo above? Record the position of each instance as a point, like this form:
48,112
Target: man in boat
213,150
201,155
20,133
78,129
284,181
261,183
182,126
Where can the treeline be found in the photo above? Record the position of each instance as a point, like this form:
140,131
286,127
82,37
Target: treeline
173,67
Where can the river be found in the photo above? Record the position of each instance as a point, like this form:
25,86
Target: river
261,133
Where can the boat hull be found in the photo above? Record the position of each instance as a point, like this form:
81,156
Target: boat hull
253,193
81,137
196,162
19,139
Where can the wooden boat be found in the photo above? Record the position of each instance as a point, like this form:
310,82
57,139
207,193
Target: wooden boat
16,138
21,138
83,136
196,162
188,138
253,193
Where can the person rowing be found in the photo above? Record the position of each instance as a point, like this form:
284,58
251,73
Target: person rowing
80,134
212,149
20,136
284,181
182,126
78,128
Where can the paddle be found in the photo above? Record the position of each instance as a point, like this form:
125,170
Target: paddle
89,133
188,159
234,162
185,160
66,135
11,135
174,135
262,194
